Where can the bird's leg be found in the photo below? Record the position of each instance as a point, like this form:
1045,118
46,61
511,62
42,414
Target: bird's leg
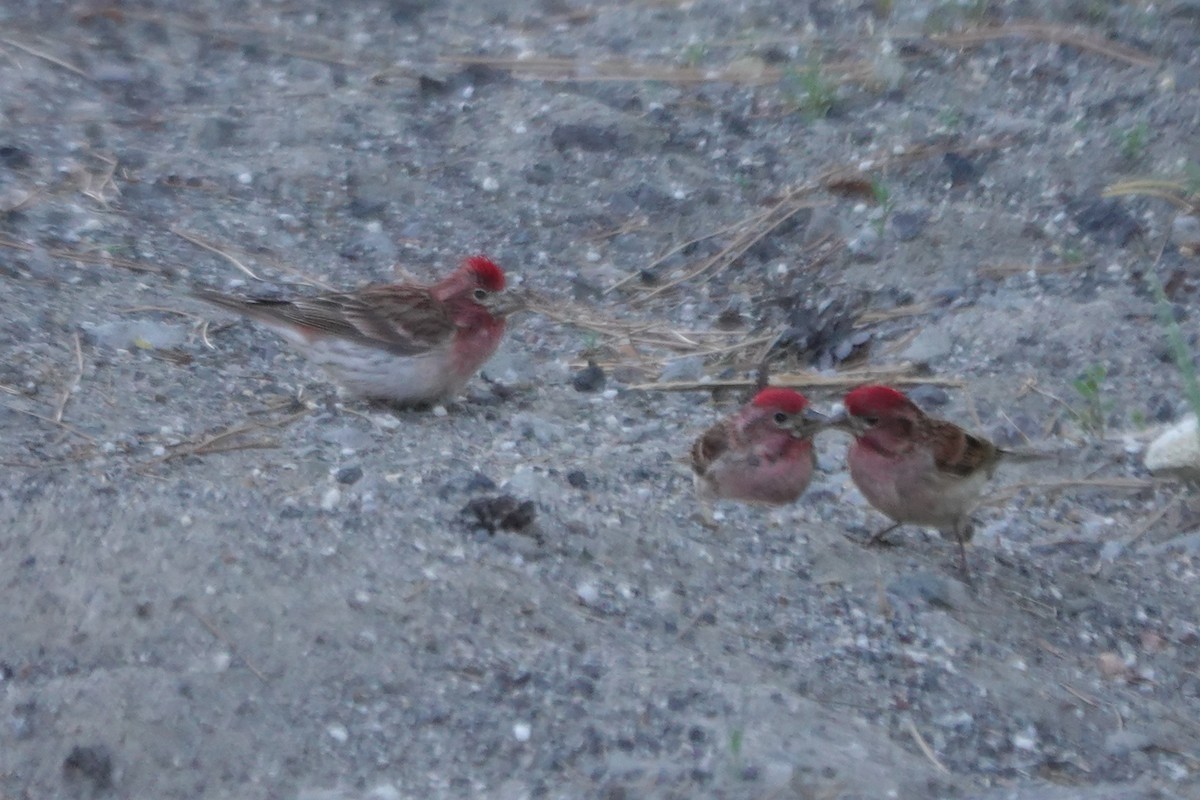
962,534
880,537
704,515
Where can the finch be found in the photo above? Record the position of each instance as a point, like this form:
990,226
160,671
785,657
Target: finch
915,468
404,343
763,453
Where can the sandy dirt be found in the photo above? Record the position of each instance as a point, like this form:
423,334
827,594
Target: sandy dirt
222,579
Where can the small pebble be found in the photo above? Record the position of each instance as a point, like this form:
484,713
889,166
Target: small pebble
587,593
589,379
349,475
521,731
331,498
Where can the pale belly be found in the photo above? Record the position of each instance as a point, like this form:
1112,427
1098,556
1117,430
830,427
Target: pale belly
909,489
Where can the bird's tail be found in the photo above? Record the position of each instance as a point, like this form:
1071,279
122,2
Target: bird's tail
228,301
1027,454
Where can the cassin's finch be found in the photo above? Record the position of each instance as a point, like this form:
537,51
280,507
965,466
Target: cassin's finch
914,468
404,343
763,453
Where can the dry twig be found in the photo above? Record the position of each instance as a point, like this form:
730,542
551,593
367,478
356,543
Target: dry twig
1041,31
217,633
59,423
42,54
212,248
220,442
900,375
72,383
1003,495
82,256
925,748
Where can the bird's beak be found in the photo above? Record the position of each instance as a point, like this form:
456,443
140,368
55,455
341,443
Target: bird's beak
843,421
808,423
504,303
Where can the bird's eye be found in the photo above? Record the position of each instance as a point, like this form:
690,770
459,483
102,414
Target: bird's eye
780,417
480,294
871,420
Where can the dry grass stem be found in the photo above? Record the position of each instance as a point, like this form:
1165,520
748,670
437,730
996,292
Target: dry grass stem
839,180
1173,192
901,375
212,248
227,252
999,271
71,384
42,54
1088,699
925,748
1001,496
313,48
218,634
226,441
890,314
96,184
633,336
59,423
81,256
160,310
754,230
1041,31
747,73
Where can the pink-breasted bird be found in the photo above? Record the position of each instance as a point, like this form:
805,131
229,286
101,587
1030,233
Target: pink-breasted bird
404,343
763,453
914,468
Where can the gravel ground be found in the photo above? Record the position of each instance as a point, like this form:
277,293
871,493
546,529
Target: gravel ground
221,579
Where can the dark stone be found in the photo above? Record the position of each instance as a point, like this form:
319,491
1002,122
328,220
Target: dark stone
963,171
501,512
1107,220
909,224
291,512
577,478
215,132
926,395
89,765
591,138
405,12
369,193
538,174
14,157
478,482
589,379
430,86
349,475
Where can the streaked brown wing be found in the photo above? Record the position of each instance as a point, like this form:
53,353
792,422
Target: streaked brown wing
959,453
404,320
709,447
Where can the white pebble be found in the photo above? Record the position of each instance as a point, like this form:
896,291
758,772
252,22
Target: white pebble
245,178
489,184
521,731
388,421
439,411
384,791
1176,448
331,498
338,732
587,593
1025,740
